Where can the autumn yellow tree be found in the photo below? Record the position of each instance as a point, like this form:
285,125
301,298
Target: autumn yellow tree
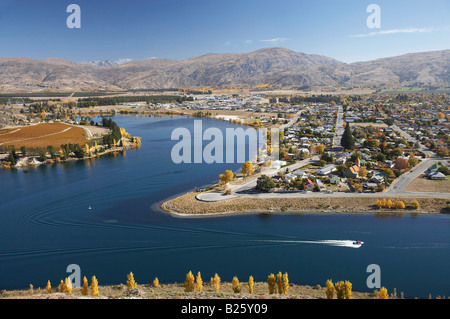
247,168
199,282
383,293
156,282
279,282
85,288
131,283
330,289
68,285
94,287
251,284
271,283
189,283
48,287
226,177
399,205
415,204
379,204
348,289
236,285
340,289
285,284
216,282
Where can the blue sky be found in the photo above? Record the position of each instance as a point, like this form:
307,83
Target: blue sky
178,29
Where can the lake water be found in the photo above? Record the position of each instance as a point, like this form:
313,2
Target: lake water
45,225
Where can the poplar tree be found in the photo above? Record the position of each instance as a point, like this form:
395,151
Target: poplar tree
130,281
189,282
250,284
216,282
94,287
285,284
199,282
48,287
85,288
383,294
279,282
271,283
68,285
236,285
348,289
330,289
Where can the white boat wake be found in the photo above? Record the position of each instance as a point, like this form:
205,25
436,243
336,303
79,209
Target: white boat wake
337,243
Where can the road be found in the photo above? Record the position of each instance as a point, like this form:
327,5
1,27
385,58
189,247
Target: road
339,130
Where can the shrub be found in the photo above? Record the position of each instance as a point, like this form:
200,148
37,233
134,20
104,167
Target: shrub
415,204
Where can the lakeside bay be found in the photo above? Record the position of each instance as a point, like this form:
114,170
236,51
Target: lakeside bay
46,225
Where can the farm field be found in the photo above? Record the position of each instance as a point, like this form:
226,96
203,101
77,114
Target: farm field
43,135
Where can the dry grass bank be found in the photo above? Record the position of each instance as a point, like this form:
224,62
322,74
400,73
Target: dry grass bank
188,205
176,291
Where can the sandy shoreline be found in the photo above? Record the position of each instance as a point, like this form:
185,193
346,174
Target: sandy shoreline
187,206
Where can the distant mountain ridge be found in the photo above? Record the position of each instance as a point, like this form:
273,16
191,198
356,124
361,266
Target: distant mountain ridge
265,66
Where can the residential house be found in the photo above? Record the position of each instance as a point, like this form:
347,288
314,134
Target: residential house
437,176
352,172
335,180
320,184
326,170
309,185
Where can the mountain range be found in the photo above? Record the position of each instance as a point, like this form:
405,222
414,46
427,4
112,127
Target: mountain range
277,65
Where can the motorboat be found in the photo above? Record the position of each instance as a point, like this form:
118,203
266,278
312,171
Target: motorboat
358,242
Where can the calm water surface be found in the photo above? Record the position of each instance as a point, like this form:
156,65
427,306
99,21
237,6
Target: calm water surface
45,225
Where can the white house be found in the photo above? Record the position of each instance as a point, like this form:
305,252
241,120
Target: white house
326,170
278,164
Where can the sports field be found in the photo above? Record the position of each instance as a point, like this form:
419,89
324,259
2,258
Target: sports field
43,135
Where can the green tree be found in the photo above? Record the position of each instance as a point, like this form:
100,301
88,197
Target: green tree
347,140
42,154
264,183
23,149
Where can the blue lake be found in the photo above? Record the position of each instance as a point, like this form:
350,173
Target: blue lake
45,225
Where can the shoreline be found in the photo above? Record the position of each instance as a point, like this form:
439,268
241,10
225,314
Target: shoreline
177,291
187,206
